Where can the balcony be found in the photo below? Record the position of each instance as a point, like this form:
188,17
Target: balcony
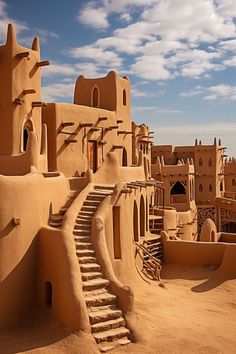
178,198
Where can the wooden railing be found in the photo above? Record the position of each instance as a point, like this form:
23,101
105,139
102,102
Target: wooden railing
151,265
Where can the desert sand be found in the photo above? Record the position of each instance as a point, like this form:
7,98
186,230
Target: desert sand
193,312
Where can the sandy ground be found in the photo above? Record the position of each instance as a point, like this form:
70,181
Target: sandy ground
194,313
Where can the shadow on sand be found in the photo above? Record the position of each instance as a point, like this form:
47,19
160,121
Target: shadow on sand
211,277
42,332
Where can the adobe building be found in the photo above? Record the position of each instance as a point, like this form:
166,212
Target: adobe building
208,173
84,212
76,195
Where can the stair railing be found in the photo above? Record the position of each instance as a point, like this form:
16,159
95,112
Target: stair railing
150,264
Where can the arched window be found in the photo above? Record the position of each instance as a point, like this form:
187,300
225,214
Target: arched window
135,222
200,162
200,188
178,188
142,217
210,188
233,182
28,127
210,163
95,97
124,98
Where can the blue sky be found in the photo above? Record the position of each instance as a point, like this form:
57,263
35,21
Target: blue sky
179,55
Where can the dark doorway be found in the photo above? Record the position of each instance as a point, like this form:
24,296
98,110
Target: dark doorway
142,217
124,158
25,138
95,97
135,222
92,155
178,188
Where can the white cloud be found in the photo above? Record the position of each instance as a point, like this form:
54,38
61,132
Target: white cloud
151,68
168,39
137,109
230,62
93,17
125,17
57,91
95,53
57,69
95,13
229,45
222,92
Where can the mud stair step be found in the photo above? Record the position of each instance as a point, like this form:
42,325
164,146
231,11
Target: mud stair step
90,267
91,275
99,299
86,257
111,335
81,239
85,245
104,313
107,346
108,325
56,224
95,284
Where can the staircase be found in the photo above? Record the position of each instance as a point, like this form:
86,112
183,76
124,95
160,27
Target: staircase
107,323
56,220
154,243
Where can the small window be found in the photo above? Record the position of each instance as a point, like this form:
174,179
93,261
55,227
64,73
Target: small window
233,182
200,162
210,188
221,186
200,188
25,138
210,163
48,294
27,128
124,98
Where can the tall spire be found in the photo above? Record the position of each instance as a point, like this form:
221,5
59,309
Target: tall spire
11,36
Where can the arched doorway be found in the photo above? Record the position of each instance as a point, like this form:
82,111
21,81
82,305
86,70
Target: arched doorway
142,217
135,222
95,97
124,158
178,193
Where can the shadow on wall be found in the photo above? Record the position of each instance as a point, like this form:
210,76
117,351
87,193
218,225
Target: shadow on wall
17,290
7,229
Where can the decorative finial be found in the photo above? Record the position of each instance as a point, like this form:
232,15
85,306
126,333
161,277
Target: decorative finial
35,45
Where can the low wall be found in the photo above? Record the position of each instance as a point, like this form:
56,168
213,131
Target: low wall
193,253
111,172
227,237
